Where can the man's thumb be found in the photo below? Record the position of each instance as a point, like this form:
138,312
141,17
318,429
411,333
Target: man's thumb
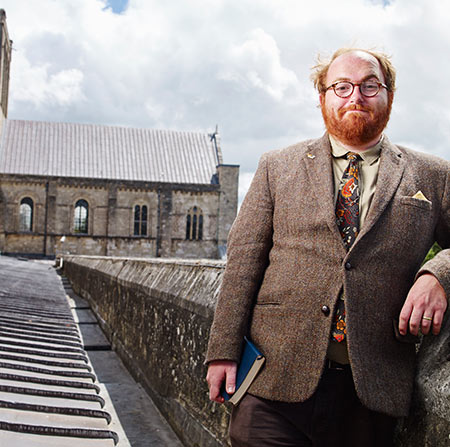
231,380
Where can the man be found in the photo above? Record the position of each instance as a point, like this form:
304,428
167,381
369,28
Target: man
324,273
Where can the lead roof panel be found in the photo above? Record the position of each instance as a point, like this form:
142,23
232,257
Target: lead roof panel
107,152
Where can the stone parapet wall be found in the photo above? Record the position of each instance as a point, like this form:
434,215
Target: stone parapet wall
429,421
157,314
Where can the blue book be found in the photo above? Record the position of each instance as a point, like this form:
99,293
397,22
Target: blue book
251,362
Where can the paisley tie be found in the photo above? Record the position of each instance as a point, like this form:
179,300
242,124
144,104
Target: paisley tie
347,219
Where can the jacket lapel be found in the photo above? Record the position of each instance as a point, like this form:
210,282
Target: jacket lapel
320,175
389,175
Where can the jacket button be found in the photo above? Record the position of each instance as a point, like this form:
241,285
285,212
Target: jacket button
326,310
348,266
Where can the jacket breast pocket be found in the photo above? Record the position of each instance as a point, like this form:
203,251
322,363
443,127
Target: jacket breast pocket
418,203
409,226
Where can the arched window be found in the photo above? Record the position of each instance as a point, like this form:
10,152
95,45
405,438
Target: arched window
200,227
194,224
140,220
188,226
80,222
26,214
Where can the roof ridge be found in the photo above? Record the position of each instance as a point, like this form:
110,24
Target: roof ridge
110,126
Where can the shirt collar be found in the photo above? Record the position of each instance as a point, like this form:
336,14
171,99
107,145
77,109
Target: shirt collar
370,155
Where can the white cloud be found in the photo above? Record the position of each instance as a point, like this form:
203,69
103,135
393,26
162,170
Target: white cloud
65,86
36,84
256,63
243,64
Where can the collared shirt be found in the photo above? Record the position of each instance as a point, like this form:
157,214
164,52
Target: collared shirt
368,175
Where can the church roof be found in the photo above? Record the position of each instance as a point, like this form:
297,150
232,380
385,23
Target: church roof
107,152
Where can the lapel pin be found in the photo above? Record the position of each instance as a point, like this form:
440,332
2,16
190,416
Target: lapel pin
311,156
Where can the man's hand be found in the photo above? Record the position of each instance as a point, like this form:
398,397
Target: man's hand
424,307
219,371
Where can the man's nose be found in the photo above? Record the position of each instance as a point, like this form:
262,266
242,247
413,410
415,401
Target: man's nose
356,96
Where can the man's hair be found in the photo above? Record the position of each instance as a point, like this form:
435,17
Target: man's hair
320,70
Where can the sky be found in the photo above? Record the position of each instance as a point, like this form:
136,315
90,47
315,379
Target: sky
243,65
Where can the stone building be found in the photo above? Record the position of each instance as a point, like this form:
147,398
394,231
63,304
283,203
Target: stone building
5,63
113,191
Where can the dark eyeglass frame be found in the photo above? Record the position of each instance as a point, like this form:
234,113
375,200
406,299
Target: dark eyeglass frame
353,84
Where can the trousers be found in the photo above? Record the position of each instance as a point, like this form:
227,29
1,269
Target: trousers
333,416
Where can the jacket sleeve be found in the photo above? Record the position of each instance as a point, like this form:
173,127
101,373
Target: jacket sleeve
249,244
439,266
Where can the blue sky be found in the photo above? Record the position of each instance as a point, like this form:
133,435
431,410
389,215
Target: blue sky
117,6
241,64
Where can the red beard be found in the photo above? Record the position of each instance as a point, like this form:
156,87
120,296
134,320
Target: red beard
356,129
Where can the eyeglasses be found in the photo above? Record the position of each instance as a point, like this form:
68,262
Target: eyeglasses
344,89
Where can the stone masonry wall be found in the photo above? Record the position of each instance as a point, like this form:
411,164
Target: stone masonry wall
228,178
157,314
110,218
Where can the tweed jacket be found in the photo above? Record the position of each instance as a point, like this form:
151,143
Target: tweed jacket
287,264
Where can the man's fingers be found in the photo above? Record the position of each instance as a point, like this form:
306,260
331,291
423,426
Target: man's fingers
215,377
218,372
404,318
213,389
415,321
424,307
426,323
214,394
438,318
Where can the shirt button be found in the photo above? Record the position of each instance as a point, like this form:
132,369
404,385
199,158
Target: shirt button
348,266
326,310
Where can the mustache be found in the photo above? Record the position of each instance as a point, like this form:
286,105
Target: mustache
355,107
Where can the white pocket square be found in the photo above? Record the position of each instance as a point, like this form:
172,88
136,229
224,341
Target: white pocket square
420,195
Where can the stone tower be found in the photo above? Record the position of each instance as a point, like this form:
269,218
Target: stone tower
228,179
229,182
5,63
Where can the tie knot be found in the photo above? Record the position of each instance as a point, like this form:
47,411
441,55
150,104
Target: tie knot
352,156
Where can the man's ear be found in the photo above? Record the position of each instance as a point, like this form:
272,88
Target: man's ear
321,99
